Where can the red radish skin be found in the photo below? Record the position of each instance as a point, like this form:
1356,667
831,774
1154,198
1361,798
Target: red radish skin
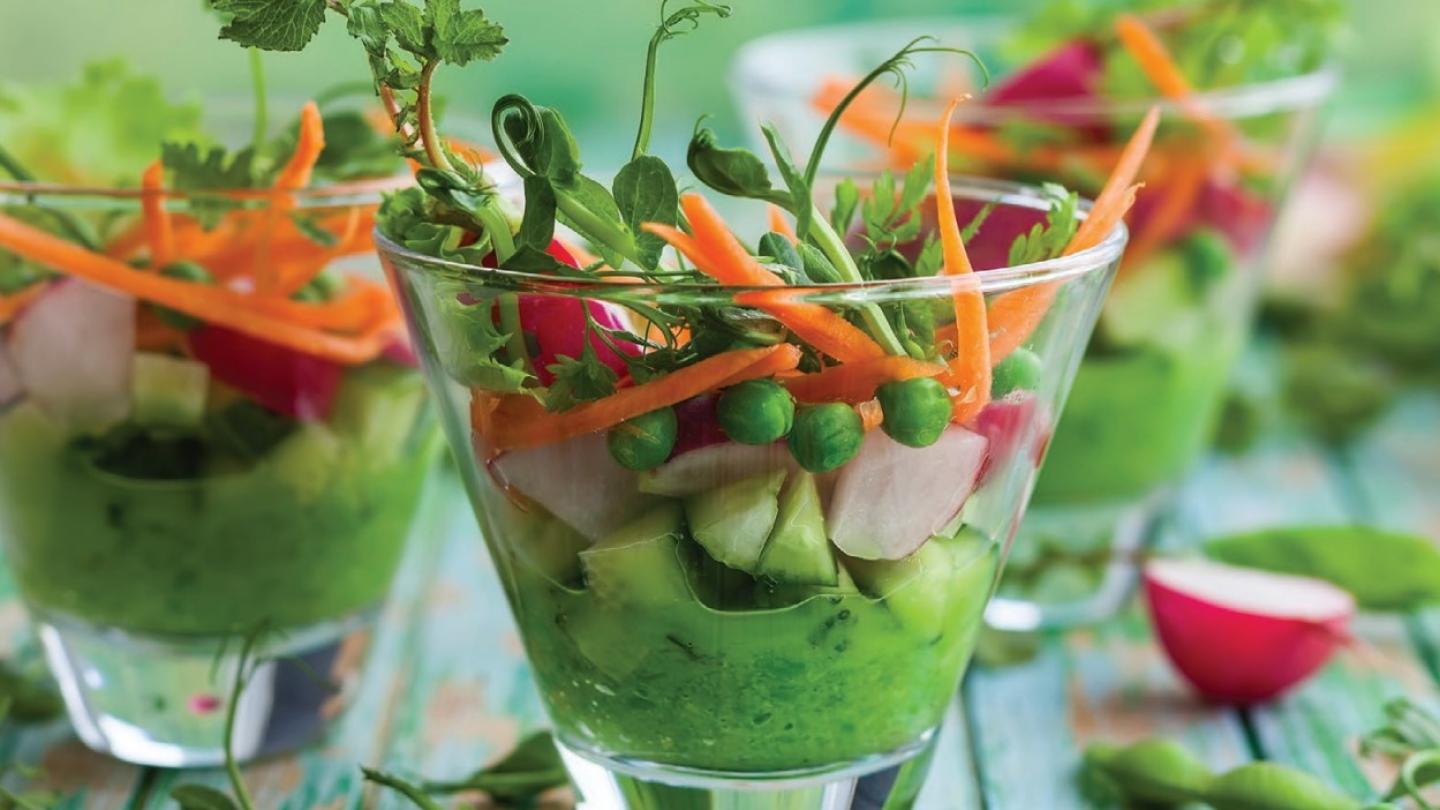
72,351
891,498
1073,70
1241,636
554,325
297,385
697,425
1016,424
400,351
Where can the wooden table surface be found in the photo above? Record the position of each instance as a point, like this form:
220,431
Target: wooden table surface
447,687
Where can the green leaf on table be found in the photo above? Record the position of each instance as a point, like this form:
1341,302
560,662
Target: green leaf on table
1383,570
202,797
645,192
532,768
272,25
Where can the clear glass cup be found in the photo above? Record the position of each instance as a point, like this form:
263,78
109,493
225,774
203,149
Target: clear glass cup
1145,402
796,678
169,487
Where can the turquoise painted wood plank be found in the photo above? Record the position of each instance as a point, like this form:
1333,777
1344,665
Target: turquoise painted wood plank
327,775
951,784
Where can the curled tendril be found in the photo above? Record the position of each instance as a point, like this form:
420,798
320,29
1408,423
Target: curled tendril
514,110
895,67
670,25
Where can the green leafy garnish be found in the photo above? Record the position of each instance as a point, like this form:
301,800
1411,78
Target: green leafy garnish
272,25
1383,570
672,25
579,380
1047,240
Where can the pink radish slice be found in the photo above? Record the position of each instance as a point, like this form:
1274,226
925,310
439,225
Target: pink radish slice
714,466
1243,636
698,426
285,381
399,351
1015,424
72,349
891,498
1071,71
576,481
10,388
554,325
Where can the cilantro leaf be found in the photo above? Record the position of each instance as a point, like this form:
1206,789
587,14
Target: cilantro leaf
195,169
462,36
272,25
579,380
1047,240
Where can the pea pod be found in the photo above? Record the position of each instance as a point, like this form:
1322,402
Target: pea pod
1268,786
1154,771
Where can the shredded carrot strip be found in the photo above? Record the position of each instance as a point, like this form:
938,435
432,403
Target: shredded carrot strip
293,176
1015,314
1178,197
780,224
293,276
159,231
970,370
1159,67
871,416
717,253
533,429
213,304
12,304
154,335
856,382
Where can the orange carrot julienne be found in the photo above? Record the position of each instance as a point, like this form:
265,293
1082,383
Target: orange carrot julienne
781,225
1016,314
212,304
1177,200
856,382
159,231
1159,67
970,370
726,260
773,364
539,429
12,304
309,144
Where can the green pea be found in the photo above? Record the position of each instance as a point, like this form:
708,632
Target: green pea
1152,771
322,288
644,442
184,271
755,411
825,437
916,411
1021,371
1268,786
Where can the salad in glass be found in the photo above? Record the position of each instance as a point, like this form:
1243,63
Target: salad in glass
747,499
1239,92
211,425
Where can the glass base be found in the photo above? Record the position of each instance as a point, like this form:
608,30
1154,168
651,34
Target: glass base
1098,548
885,782
161,700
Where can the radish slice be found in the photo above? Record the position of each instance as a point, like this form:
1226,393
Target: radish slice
297,385
1015,424
576,481
72,349
10,389
1240,635
1073,70
714,466
891,498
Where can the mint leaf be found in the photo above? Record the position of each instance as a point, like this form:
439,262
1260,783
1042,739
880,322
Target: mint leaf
406,24
462,36
272,25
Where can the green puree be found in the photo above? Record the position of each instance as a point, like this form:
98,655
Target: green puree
310,531
654,673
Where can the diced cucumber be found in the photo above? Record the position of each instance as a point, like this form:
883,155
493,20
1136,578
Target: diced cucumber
639,563
606,640
733,522
168,392
798,552
308,460
945,582
543,541
377,405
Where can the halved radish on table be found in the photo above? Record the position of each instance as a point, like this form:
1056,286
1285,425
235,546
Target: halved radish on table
1240,635
72,349
891,498
576,481
285,381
